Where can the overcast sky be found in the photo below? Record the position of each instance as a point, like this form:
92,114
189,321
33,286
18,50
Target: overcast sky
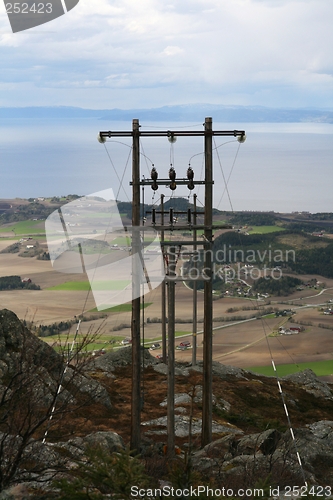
150,53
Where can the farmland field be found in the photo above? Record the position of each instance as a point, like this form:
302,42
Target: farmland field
26,227
85,286
319,367
121,308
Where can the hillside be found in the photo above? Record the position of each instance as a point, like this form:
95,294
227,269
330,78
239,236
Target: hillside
303,240
176,113
298,251
251,437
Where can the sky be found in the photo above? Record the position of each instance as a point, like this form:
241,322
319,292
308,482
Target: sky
106,54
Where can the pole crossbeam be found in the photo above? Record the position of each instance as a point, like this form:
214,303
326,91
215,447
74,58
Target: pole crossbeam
165,182
189,227
176,133
178,212
184,242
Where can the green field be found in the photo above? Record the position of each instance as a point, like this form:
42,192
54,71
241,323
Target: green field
181,334
320,368
84,286
218,222
64,342
121,308
265,229
25,227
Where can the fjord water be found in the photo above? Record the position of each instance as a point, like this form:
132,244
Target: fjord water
280,167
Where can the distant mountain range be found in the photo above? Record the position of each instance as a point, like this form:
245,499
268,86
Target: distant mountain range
178,113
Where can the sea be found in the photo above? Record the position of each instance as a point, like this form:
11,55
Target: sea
281,167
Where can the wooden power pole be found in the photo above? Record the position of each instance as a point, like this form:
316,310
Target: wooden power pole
208,296
163,290
137,260
195,288
136,285
171,351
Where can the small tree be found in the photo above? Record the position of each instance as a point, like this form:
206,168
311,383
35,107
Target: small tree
101,475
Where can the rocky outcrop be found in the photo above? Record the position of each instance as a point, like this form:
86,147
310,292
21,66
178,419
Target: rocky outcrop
308,380
46,459
272,453
121,357
40,368
182,398
182,426
315,446
225,371
265,443
56,455
179,370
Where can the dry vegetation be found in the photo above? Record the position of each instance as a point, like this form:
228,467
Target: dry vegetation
255,405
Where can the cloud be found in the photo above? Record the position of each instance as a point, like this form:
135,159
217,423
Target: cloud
172,50
269,52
